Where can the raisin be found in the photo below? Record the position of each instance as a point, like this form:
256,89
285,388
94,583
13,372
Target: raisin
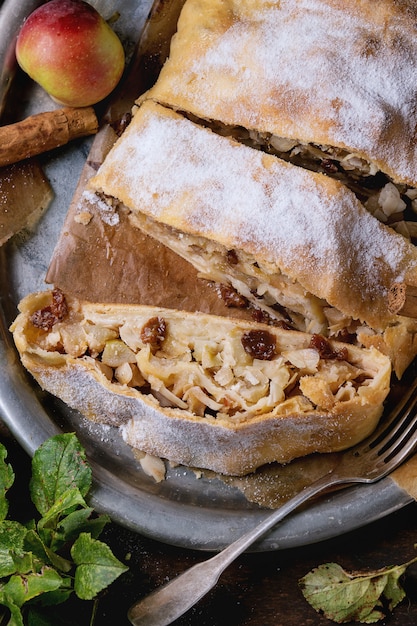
260,344
231,297
232,257
345,336
329,166
325,350
55,312
154,332
263,317
260,316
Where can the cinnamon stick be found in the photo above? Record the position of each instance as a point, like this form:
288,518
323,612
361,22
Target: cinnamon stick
44,131
402,300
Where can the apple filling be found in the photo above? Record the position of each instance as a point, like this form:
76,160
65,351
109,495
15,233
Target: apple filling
207,365
277,295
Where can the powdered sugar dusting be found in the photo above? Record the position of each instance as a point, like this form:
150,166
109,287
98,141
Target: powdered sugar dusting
107,213
188,177
338,73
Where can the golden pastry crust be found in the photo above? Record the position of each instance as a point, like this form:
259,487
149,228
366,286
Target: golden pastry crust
301,236
203,390
329,72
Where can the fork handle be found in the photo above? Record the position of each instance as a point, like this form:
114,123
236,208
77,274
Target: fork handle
172,600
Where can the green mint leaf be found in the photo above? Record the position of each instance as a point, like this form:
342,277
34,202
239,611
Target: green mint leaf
63,505
34,544
26,562
58,465
21,589
6,481
59,596
344,597
31,566
69,528
81,521
12,536
16,618
97,567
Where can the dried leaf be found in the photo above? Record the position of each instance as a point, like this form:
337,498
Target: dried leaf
344,597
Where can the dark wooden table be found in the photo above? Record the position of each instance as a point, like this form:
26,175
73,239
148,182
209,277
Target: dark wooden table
257,590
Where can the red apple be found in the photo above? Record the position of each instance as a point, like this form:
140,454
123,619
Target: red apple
71,51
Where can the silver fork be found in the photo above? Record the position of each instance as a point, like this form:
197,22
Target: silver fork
368,462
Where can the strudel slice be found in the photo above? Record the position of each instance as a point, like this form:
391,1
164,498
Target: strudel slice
328,84
295,243
202,390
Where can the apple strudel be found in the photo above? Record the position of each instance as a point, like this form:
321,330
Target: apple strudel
202,390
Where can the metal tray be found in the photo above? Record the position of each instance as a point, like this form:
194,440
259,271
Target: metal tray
200,513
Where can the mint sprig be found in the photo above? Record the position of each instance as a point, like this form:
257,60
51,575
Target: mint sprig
47,560
362,597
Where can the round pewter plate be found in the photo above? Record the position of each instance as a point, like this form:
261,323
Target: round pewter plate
188,510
